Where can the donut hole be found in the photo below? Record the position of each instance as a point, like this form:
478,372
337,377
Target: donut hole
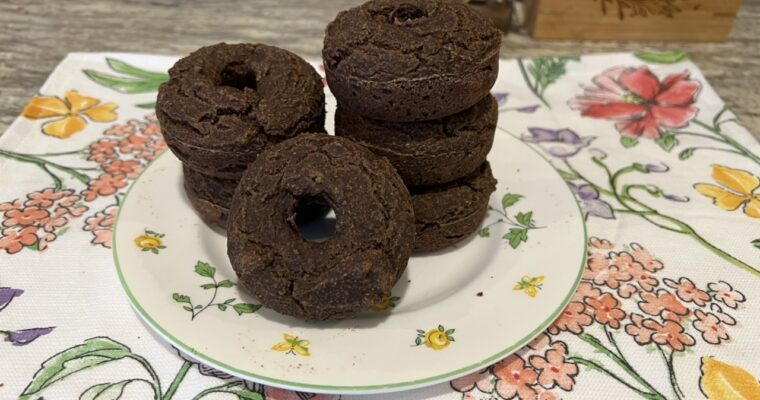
407,13
315,219
239,76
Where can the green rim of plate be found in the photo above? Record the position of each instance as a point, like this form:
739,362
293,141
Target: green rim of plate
328,389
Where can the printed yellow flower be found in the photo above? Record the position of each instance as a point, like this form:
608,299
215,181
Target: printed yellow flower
293,345
436,339
150,241
69,113
531,286
727,382
737,189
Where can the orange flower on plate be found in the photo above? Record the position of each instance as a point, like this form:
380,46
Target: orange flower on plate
737,189
69,113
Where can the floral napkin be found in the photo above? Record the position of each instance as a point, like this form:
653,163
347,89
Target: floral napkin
668,179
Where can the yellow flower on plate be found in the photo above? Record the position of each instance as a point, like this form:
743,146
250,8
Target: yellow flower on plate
389,301
69,113
529,285
737,189
293,345
150,241
436,339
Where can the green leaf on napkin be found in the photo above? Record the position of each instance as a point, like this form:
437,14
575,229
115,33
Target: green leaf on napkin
756,243
629,142
672,57
686,154
106,391
667,141
91,353
137,80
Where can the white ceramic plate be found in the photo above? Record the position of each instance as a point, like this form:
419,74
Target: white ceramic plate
452,312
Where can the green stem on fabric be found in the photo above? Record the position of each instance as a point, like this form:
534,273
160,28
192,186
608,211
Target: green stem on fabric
621,362
577,173
156,382
729,140
217,389
626,199
600,368
533,88
671,372
700,135
42,163
732,151
58,154
177,380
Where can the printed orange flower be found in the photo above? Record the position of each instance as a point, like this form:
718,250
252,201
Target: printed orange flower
11,205
660,302
541,342
599,245
646,259
726,294
602,272
103,150
68,112
26,217
554,371
131,168
104,185
45,198
606,310
586,289
737,189
515,378
640,333
686,291
670,334
627,291
12,241
483,380
712,329
573,319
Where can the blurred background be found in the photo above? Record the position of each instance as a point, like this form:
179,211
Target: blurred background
36,35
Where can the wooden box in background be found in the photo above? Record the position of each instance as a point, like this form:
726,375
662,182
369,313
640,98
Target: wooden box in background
652,20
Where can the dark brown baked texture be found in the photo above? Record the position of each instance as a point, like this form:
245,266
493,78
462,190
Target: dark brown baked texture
211,198
410,60
448,214
352,270
427,153
224,104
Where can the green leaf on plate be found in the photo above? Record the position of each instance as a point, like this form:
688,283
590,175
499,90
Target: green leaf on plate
510,199
484,233
186,308
756,243
667,141
420,331
243,308
208,286
204,269
181,298
525,218
440,328
418,341
222,307
629,142
671,57
516,236
226,284
91,353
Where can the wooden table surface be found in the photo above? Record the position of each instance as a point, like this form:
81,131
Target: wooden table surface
36,34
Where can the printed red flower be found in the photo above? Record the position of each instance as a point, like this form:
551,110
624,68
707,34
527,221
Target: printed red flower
28,216
639,102
660,302
553,370
640,333
726,294
573,319
688,292
606,310
12,241
712,329
515,378
671,334
104,185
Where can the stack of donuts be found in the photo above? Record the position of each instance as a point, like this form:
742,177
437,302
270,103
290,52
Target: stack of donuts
412,79
224,105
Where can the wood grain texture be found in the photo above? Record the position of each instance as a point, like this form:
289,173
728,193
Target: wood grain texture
35,35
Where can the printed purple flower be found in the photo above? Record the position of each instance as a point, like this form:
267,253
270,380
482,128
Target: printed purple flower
7,295
563,143
657,168
501,98
676,198
25,336
528,109
591,203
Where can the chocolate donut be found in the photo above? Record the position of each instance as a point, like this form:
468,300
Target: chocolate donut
448,214
224,104
410,60
432,152
357,265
